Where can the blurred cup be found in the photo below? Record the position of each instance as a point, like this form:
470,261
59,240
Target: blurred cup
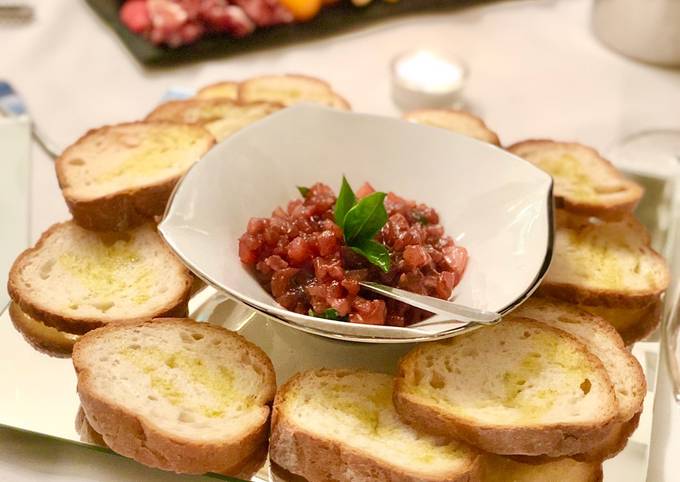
646,30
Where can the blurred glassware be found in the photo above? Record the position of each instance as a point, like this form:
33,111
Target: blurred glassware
644,30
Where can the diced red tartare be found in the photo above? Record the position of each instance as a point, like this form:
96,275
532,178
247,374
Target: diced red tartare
300,257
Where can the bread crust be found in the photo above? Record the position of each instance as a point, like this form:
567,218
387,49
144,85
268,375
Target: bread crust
604,209
201,93
178,307
639,329
491,137
43,338
244,470
132,435
554,440
315,458
609,449
126,208
160,112
243,88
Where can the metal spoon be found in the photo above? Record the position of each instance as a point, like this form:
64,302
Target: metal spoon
435,305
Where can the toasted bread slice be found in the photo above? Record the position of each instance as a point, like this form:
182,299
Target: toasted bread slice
176,394
585,182
117,177
289,90
503,469
603,341
221,117
76,280
224,90
43,338
633,324
604,263
520,387
454,120
341,425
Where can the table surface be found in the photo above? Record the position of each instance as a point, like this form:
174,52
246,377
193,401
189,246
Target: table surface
536,71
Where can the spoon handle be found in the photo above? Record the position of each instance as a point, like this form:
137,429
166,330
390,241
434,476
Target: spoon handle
435,305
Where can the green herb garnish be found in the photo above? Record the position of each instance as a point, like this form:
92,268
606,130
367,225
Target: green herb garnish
329,314
303,191
375,252
360,222
365,219
346,199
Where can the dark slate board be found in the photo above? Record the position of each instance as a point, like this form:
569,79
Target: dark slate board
332,20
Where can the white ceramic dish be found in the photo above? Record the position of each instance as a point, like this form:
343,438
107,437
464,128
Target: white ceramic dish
496,205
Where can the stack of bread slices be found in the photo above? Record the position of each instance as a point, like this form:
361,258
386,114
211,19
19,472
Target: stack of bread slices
108,264
603,262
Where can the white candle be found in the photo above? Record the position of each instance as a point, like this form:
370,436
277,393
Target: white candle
426,78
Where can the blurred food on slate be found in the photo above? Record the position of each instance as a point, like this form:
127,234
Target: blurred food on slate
180,22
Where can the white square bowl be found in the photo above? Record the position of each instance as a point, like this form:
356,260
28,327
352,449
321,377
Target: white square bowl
496,205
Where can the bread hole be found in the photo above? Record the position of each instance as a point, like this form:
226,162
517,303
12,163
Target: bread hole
501,343
520,382
171,362
76,162
526,335
586,386
217,342
46,268
153,398
437,380
197,336
447,365
185,337
104,359
186,417
103,306
135,346
534,354
417,376
73,306
111,237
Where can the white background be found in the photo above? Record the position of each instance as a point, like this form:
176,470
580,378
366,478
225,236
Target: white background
536,71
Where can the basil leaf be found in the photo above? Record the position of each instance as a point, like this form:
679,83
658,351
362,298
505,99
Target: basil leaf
329,314
346,199
365,219
303,191
374,252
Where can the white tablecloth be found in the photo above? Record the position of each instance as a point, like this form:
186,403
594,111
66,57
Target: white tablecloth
536,71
